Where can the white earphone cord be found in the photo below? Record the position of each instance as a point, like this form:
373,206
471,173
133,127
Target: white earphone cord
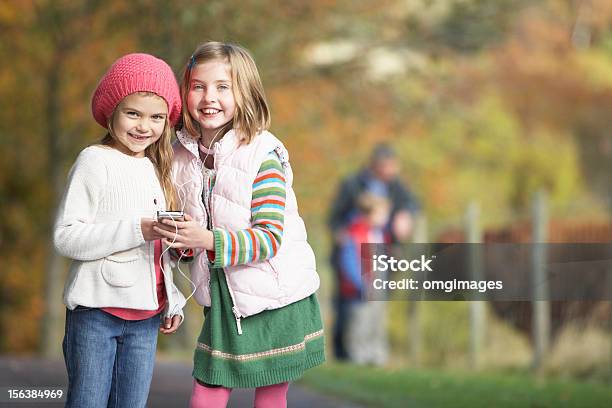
183,204
208,149
178,262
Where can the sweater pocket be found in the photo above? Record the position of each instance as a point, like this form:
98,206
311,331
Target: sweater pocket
122,269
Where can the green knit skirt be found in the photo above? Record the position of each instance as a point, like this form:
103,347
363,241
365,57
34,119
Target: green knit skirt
275,345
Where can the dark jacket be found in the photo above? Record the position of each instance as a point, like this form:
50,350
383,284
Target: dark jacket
344,207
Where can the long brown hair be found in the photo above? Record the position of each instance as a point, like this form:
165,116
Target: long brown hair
252,112
160,153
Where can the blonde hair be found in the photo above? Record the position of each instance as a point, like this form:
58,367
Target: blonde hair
160,153
368,202
252,114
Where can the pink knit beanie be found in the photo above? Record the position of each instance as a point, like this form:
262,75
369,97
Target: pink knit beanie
135,73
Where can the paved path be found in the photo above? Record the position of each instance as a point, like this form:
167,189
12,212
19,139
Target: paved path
171,385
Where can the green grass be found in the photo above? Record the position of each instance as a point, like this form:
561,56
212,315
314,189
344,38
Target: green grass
411,388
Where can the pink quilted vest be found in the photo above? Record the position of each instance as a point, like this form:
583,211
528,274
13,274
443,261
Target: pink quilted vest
287,277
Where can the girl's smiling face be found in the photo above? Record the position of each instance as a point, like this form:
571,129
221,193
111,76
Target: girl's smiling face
210,100
138,121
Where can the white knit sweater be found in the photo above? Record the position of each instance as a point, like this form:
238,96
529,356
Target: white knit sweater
98,226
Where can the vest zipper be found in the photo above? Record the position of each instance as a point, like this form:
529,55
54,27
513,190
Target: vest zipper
238,317
235,310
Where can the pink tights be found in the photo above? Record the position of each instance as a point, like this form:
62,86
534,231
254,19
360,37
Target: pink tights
270,396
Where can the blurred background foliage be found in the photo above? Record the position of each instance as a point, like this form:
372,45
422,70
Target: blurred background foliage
484,101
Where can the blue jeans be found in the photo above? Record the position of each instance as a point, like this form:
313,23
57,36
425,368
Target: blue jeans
109,360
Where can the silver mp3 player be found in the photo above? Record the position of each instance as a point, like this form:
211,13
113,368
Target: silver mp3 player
171,215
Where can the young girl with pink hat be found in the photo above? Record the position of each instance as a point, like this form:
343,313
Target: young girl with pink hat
120,283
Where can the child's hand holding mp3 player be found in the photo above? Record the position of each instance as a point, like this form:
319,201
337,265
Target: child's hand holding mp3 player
179,230
147,225
170,215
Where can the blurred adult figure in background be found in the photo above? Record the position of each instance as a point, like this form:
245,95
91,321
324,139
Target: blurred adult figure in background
379,177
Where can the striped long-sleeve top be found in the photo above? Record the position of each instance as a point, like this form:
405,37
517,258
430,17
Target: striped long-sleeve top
262,240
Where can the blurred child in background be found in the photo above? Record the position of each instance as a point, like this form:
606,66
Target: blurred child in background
365,339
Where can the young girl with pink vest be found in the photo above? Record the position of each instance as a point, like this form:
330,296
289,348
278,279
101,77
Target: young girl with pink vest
255,273
120,283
